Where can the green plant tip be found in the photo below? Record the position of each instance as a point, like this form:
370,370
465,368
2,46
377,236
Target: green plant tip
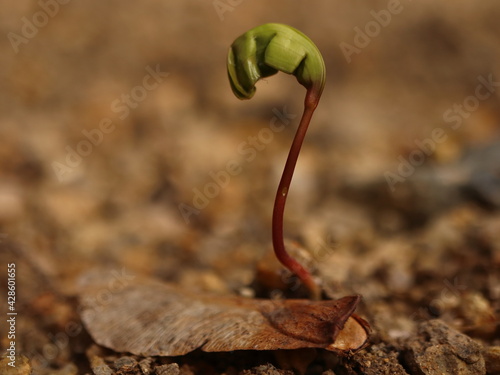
269,48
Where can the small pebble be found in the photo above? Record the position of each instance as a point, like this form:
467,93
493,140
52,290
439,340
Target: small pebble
125,363
492,359
439,349
170,369
145,366
99,367
22,366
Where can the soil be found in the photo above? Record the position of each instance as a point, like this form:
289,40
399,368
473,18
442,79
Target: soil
122,148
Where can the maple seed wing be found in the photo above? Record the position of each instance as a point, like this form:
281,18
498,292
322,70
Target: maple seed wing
150,318
143,319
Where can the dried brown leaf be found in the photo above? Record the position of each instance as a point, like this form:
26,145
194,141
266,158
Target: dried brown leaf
150,318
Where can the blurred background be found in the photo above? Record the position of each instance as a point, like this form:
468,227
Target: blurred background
122,145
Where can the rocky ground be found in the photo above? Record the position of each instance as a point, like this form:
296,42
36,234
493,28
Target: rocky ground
119,132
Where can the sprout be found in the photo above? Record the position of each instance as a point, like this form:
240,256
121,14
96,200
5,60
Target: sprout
262,52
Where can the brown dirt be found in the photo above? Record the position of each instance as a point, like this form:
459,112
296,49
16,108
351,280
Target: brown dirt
425,255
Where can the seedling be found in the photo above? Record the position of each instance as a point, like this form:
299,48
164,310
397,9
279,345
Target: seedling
262,52
165,320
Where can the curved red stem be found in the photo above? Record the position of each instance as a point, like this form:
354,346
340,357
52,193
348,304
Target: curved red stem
310,104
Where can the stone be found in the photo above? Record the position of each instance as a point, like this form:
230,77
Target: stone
170,369
438,349
22,366
492,359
